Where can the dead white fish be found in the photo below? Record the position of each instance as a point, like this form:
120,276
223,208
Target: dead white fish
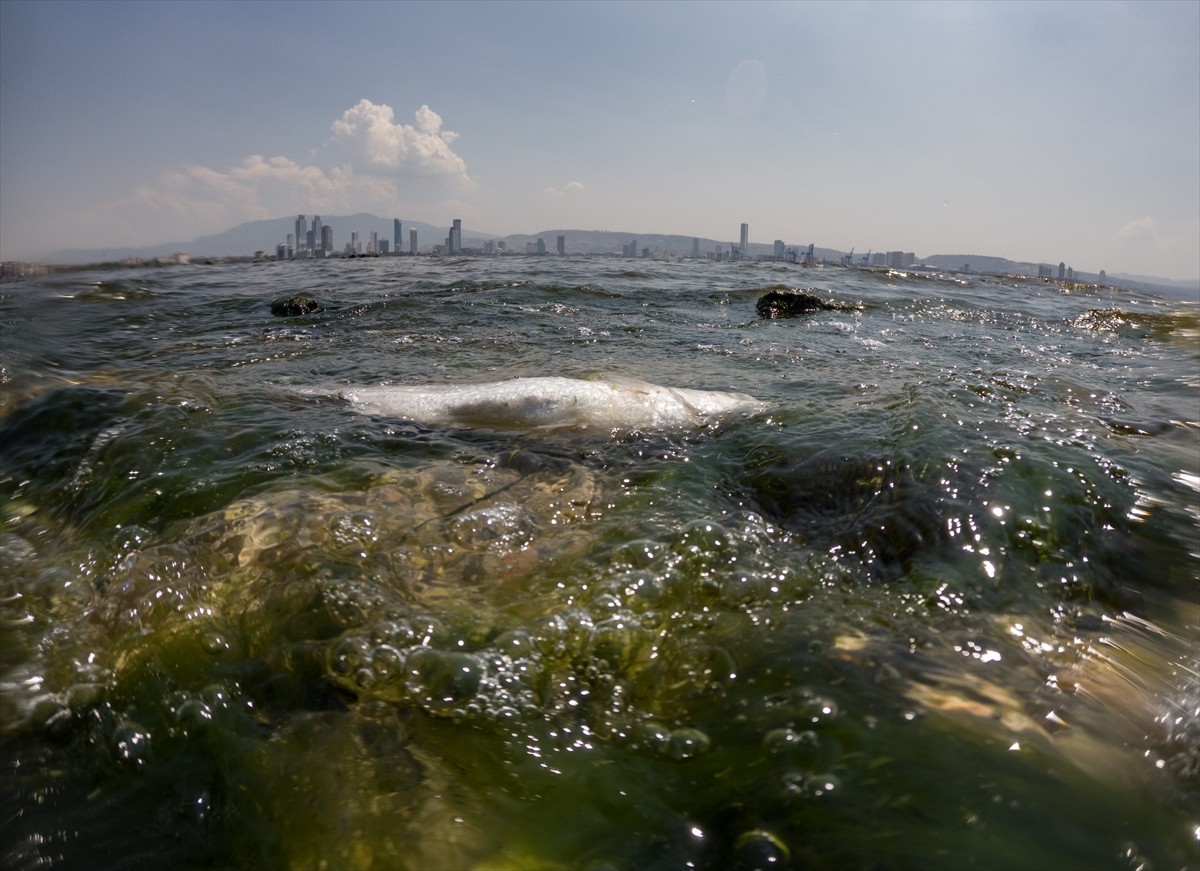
552,402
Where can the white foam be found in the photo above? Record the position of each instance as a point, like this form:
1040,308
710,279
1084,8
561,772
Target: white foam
533,403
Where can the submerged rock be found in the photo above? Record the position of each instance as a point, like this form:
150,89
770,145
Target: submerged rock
790,304
297,304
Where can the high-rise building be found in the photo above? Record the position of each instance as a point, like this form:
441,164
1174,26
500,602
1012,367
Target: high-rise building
695,247
541,245
778,249
316,231
291,246
373,247
562,246
1062,271
412,241
310,242
745,239
355,248
326,241
301,232
456,237
396,235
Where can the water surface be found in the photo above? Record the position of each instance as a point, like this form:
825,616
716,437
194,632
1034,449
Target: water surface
935,605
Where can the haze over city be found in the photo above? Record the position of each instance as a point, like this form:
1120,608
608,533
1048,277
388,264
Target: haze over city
1041,132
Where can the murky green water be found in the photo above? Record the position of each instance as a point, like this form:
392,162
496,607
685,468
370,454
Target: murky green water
936,606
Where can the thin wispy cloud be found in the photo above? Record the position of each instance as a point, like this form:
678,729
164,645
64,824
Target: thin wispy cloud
571,187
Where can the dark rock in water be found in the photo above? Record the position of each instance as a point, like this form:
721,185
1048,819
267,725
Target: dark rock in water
297,304
883,513
790,304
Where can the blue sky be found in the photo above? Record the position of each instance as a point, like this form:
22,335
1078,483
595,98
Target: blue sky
1045,132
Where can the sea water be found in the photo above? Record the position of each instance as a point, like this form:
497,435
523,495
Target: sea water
932,603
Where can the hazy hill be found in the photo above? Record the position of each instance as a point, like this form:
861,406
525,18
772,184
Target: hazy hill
245,239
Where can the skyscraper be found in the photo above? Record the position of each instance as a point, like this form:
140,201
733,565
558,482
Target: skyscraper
412,241
454,243
562,246
326,241
317,237
301,232
745,239
396,235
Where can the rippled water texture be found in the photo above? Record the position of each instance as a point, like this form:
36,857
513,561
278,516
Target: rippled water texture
932,605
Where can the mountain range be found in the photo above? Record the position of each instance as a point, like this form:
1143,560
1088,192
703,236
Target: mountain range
254,236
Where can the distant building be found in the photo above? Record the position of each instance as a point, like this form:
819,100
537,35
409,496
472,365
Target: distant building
695,247
562,246
630,250
412,241
326,240
396,237
355,247
373,245
541,245
779,249
301,230
454,242
316,231
291,246
1062,271
745,246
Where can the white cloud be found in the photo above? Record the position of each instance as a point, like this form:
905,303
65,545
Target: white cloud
1138,230
375,143
382,166
571,187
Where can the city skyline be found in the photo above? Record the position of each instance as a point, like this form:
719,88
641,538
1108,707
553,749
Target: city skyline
1044,132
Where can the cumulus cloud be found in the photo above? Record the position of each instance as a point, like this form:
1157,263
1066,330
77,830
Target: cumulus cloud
379,165
375,142
571,187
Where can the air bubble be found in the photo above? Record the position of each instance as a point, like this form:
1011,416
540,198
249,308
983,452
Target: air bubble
687,743
387,663
215,643
779,741
443,680
132,744
759,850
349,655
617,641
516,643
193,716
